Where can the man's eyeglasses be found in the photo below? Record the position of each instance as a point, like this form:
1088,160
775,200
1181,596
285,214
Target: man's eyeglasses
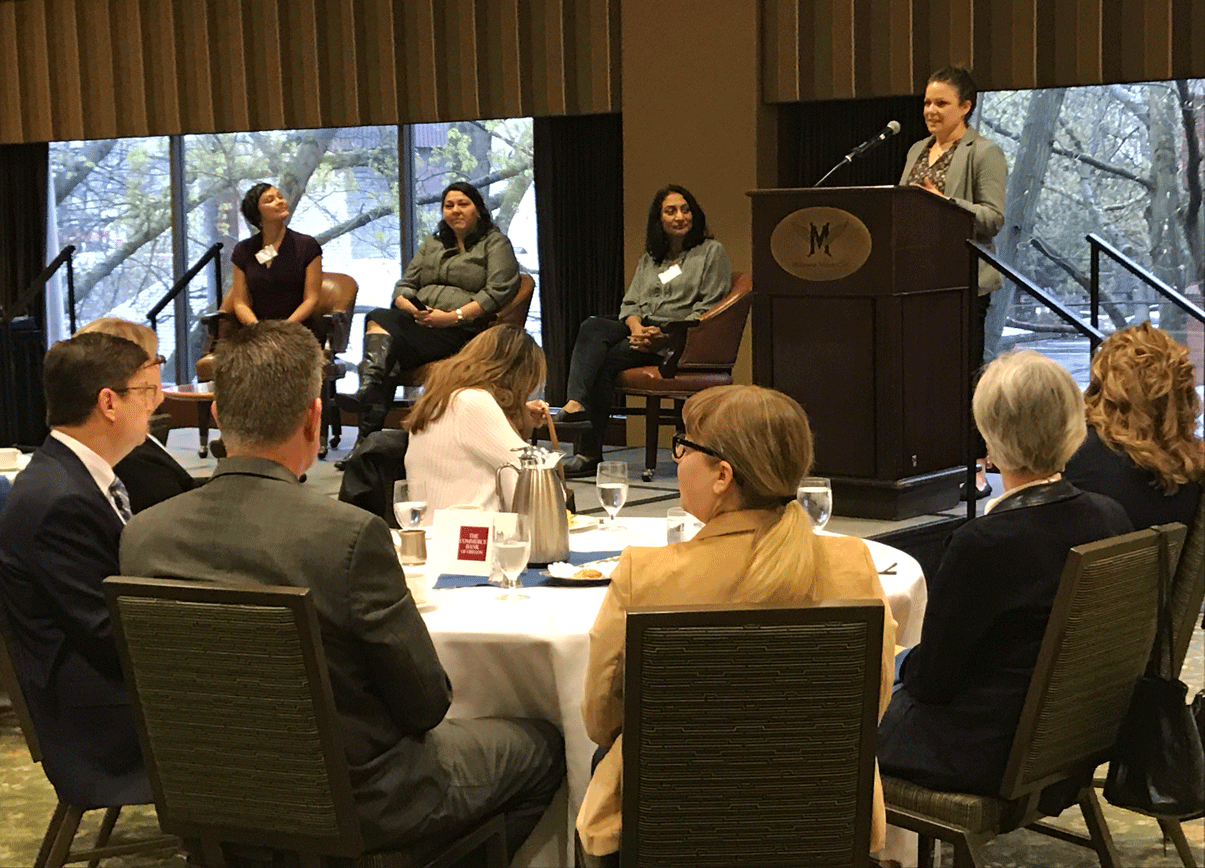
152,389
156,362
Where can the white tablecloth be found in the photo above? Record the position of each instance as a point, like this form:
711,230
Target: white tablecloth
528,659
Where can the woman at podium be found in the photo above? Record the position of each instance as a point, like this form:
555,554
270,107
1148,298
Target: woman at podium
958,163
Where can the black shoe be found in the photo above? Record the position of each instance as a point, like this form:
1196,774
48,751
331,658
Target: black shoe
579,466
980,493
574,418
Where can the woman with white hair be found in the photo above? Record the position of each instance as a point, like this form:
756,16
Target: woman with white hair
951,722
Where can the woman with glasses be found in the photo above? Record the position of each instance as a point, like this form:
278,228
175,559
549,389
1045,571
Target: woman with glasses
740,461
473,414
150,473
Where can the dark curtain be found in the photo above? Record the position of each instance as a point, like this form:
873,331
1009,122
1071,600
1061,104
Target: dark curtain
23,170
805,153
579,211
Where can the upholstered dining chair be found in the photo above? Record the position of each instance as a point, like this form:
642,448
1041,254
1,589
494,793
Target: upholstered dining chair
1095,647
331,322
701,356
749,735
198,656
56,849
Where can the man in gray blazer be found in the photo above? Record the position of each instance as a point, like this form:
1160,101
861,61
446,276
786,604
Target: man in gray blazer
417,778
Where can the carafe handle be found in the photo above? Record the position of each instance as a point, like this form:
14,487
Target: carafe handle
498,486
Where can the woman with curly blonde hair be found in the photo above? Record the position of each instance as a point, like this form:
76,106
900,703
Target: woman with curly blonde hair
1142,448
473,413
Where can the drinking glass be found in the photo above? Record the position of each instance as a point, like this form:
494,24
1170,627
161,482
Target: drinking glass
512,546
409,503
815,495
612,483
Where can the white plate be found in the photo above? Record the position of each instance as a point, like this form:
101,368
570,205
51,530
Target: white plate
567,572
583,522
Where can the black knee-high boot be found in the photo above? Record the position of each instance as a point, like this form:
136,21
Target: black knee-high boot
372,418
374,372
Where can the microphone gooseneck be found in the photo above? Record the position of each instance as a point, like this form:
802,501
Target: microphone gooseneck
888,131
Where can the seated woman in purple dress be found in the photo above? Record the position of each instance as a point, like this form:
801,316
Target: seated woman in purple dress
277,273
1142,448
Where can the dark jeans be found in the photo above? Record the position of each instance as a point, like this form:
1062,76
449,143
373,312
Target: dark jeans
494,766
977,344
412,344
601,352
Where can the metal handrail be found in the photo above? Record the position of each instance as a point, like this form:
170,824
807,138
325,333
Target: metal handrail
39,283
1099,244
186,278
1091,332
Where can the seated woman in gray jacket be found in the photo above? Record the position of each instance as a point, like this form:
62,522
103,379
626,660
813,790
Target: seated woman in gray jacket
460,277
682,273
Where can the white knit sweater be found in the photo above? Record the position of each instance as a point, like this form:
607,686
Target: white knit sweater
457,454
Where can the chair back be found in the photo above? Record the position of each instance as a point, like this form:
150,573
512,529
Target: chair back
12,686
749,735
235,714
514,312
333,314
1188,588
1096,645
714,343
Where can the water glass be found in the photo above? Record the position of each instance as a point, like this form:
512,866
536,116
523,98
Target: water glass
409,503
612,483
512,547
815,495
680,525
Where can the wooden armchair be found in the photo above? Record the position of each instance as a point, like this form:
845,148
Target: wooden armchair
238,726
1096,646
331,323
56,849
749,734
702,355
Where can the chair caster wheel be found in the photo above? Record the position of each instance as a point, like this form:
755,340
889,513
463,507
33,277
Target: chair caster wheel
203,452
647,475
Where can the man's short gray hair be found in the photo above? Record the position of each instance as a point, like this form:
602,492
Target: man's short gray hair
266,376
1030,412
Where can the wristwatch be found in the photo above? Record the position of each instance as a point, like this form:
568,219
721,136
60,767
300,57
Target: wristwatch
459,315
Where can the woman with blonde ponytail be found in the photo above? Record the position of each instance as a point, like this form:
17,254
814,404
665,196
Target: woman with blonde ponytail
740,461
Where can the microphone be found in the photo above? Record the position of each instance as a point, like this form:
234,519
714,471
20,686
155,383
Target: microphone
890,130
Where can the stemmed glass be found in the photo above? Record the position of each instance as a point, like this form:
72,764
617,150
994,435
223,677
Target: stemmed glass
612,483
409,503
512,546
815,495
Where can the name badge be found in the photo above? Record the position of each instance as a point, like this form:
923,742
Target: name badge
670,273
266,254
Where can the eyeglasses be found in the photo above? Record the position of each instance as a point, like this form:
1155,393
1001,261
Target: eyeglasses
679,444
151,389
157,362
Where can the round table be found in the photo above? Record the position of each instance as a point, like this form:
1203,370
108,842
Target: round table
528,658
200,394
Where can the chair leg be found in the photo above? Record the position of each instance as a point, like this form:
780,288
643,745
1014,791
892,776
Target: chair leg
61,846
324,418
105,830
1173,831
966,852
1098,829
652,428
52,832
203,408
924,851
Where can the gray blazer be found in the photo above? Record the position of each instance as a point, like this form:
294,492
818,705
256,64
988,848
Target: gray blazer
976,180
253,522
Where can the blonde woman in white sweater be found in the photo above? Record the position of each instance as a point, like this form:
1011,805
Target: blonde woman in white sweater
473,412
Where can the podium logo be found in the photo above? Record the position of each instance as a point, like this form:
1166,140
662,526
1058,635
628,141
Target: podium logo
820,243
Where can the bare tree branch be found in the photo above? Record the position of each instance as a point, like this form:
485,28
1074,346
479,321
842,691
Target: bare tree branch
1116,314
1111,168
83,161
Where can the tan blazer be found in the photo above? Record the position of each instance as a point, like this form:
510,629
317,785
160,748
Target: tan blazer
711,568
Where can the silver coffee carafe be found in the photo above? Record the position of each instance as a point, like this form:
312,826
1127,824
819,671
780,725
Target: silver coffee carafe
539,495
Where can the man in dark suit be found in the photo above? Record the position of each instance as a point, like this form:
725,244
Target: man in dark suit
417,778
59,532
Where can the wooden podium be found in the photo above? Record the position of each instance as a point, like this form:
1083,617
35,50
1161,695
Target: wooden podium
861,306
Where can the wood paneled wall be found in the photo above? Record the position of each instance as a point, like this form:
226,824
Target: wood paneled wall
834,49
86,69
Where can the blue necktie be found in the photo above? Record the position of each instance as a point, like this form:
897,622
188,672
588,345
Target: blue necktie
121,498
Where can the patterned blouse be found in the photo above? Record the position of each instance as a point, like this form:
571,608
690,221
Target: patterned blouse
936,172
